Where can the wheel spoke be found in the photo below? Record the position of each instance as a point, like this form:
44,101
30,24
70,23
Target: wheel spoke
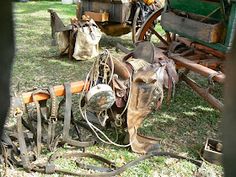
159,36
134,25
148,23
173,36
168,37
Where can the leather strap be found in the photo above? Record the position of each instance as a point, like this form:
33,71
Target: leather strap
67,121
22,144
111,165
67,115
39,120
51,168
39,125
52,141
31,128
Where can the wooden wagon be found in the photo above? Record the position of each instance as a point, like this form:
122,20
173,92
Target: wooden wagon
118,17
197,35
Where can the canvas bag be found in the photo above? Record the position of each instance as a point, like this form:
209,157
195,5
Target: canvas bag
63,41
87,39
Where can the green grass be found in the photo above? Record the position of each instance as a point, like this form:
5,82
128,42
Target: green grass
183,126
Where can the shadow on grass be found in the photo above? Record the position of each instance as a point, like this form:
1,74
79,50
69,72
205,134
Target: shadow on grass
110,41
185,124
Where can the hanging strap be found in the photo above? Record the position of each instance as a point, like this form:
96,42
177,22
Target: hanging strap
52,141
67,120
21,140
39,120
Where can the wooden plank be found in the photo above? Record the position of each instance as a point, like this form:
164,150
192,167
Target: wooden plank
98,16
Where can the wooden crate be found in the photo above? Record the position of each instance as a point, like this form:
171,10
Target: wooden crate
193,27
118,9
98,16
210,152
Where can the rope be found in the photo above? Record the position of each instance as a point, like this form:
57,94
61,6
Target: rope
94,76
93,127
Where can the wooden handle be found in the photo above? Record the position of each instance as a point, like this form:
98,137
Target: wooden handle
76,87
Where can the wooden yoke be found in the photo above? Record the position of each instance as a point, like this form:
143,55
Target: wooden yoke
76,87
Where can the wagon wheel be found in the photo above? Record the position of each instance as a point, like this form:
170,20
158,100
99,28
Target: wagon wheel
147,30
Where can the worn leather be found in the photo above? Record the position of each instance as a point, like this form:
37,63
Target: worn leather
149,78
63,41
144,95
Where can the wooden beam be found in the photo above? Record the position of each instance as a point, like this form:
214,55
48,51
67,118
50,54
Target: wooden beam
202,47
204,94
204,71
